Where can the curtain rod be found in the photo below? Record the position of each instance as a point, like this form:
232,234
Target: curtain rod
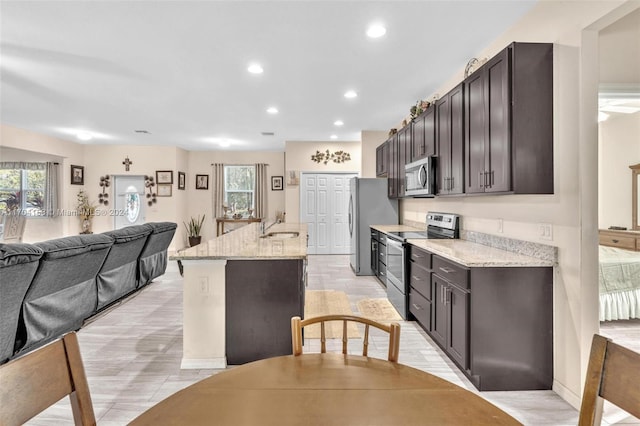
229,164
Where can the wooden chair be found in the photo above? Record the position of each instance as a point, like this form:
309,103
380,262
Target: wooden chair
613,374
39,379
393,329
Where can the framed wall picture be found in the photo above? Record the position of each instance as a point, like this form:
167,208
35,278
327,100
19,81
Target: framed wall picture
202,181
77,175
293,178
164,176
276,183
181,180
164,189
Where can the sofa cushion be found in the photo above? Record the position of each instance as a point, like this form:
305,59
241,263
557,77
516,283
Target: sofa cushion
15,254
130,233
73,246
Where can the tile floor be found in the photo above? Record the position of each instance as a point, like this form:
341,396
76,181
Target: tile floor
132,353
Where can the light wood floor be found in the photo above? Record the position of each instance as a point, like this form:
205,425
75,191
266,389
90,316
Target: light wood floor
132,353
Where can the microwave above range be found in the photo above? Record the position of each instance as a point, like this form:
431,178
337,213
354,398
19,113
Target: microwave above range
420,178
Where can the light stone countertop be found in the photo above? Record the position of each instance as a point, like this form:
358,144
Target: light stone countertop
396,228
246,243
477,255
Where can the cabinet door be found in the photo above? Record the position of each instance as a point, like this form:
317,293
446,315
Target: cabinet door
456,100
474,132
443,137
439,310
379,160
402,153
457,303
417,139
392,182
498,118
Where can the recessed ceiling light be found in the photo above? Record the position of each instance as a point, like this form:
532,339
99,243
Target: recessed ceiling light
338,123
272,110
376,31
84,136
224,143
255,69
350,94
334,136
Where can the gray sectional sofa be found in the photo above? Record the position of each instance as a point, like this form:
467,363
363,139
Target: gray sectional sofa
50,288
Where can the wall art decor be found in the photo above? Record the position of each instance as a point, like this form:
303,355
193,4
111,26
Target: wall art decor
276,183
77,175
326,156
202,181
164,176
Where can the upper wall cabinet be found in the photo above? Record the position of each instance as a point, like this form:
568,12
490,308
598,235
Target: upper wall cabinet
404,156
508,109
450,140
423,142
382,159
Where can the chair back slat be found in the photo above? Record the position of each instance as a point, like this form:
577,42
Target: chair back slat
393,329
39,379
613,374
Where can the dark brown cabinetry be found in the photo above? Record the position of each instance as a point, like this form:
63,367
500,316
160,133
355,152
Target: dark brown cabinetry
451,309
382,160
392,167
404,157
261,296
450,140
509,122
419,276
423,141
382,258
495,323
374,251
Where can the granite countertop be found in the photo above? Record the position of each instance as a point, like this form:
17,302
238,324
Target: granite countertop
246,243
477,255
395,228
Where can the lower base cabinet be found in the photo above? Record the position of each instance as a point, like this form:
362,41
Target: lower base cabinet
261,297
496,324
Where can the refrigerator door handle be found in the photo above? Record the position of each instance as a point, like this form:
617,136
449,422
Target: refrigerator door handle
422,173
350,215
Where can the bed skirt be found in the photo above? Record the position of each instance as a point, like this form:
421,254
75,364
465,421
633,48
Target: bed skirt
621,305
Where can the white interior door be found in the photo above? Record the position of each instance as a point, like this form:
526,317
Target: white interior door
324,199
130,200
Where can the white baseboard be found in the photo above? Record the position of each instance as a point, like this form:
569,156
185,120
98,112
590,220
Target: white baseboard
567,395
202,364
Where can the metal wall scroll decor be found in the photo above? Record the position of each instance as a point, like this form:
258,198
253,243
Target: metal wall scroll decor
149,183
105,182
326,156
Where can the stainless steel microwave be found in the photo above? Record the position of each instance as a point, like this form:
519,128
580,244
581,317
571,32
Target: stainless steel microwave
420,178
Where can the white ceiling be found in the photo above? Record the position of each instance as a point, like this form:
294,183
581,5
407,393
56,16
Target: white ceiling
178,68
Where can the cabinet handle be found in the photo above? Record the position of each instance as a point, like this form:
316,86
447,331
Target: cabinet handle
491,180
418,307
446,270
416,278
616,241
382,273
442,291
448,297
482,180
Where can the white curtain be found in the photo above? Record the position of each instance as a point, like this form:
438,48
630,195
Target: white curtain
261,191
51,190
218,189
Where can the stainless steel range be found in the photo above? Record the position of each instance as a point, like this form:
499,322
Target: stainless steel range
439,226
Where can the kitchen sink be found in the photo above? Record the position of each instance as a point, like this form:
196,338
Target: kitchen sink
281,235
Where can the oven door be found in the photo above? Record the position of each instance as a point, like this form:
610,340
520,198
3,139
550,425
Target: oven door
396,292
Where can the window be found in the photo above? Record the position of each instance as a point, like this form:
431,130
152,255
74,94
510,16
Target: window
239,186
22,190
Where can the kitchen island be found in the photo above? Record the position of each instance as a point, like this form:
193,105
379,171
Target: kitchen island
240,291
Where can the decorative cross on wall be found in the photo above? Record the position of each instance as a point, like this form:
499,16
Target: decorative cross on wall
127,163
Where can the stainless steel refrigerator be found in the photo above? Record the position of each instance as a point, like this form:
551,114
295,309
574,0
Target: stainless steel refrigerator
368,205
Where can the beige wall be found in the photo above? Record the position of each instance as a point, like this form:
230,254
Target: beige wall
619,144
298,157
370,140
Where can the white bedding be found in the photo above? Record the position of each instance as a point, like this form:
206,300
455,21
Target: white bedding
619,284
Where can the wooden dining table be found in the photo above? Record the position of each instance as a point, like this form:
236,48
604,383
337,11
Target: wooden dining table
324,389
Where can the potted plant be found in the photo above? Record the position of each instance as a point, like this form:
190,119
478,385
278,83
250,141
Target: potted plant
194,226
